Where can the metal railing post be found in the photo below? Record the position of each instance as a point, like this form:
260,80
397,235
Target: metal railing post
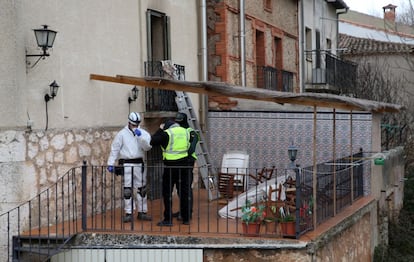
84,207
298,201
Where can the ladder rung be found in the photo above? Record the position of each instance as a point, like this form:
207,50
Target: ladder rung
202,153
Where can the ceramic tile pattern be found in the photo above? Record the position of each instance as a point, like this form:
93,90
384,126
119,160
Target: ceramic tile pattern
265,136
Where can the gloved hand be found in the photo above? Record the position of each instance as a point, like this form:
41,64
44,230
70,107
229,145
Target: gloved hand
110,169
137,132
162,126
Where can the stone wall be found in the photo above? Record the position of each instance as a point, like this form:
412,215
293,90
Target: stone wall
351,243
32,161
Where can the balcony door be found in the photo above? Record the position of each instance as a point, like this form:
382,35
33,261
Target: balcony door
158,47
157,100
158,36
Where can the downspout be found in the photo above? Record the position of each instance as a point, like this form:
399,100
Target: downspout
302,45
242,45
203,12
141,55
338,12
203,99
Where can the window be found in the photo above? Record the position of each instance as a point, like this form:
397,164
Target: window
267,5
158,36
328,45
158,49
308,43
278,53
260,58
287,81
278,62
318,49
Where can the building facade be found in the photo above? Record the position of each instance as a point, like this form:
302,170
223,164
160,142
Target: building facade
253,43
41,139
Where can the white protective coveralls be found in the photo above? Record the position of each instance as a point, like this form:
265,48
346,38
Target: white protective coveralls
126,145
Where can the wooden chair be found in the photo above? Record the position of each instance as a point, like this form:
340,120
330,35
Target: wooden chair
234,168
290,193
273,205
225,185
263,175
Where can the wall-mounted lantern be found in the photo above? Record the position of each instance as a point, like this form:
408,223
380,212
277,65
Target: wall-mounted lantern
45,39
292,153
53,92
134,95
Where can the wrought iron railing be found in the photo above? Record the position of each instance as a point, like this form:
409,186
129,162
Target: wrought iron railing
89,198
287,81
158,99
339,183
267,77
323,68
39,227
273,79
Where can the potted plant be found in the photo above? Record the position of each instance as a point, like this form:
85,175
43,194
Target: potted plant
305,214
252,217
287,223
271,219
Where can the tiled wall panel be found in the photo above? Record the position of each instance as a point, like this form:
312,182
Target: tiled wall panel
265,136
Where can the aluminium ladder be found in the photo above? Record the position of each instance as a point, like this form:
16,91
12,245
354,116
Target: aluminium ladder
203,162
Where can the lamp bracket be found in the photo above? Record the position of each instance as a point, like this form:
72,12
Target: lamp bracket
44,54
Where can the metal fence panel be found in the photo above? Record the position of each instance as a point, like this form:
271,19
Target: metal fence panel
143,255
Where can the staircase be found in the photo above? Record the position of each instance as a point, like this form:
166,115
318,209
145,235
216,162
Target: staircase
37,248
206,170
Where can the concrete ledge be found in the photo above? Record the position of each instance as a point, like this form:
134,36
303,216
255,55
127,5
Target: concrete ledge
104,240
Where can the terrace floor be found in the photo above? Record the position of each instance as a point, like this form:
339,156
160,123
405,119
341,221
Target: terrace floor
205,223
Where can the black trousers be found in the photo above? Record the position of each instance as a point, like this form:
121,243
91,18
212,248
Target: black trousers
190,164
177,173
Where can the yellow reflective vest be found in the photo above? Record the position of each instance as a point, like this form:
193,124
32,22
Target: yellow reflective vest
178,143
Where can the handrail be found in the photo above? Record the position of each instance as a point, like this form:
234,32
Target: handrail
50,215
88,198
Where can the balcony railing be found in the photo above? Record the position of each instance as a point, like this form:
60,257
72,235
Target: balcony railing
158,99
88,198
273,79
325,72
337,181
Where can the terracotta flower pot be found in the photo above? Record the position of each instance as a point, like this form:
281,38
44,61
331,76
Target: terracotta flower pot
288,228
251,229
271,227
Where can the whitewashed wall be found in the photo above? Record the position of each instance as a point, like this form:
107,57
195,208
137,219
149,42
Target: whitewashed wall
105,37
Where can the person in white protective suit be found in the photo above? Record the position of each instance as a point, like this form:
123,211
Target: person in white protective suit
129,146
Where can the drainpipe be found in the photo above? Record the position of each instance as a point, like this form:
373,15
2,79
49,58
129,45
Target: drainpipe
203,99
302,46
338,12
203,11
242,45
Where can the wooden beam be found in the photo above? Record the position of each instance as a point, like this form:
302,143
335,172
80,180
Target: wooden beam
136,81
223,89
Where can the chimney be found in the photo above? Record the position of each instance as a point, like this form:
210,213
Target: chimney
389,13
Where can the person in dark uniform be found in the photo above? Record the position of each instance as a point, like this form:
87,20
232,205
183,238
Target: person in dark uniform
175,142
182,120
